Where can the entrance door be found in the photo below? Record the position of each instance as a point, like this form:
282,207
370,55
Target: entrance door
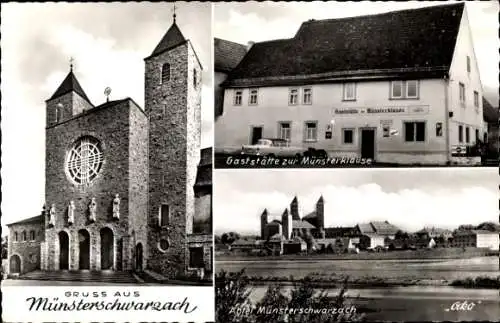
256,134
15,264
107,249
84,239
63,250
138,257
368,143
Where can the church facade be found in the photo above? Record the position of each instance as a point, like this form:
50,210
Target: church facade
121,188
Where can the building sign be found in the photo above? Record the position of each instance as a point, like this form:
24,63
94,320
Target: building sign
419,109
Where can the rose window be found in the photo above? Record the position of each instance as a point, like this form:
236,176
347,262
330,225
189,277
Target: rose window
84,160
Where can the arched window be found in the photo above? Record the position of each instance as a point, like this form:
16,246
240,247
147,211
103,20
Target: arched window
32,235
16,236
165,73
24,236
195,78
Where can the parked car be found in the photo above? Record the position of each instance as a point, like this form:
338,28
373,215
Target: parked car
272,147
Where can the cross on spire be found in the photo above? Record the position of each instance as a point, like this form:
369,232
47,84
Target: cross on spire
71,60
174,13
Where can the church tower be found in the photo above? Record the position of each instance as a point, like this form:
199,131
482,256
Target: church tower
294,209
320,213
286,220
263,225
172,103
67,101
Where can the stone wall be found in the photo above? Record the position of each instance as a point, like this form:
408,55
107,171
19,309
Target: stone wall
138,186
172,161
109,125
72,105
28,250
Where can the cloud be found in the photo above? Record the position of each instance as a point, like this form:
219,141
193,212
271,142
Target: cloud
108,42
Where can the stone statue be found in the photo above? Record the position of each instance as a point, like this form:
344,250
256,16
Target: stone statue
116,207
71,212
52,215
92,210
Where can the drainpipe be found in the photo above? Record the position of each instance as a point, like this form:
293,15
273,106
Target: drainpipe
447,118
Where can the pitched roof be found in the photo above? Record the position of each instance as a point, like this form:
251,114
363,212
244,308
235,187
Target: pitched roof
366,228
70,83
227,54
384,227
204,173
311,215
298,224
490,114
395,43
172,38
34,219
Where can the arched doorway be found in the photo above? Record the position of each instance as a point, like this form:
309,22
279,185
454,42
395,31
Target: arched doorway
84,246
63,250
107,248
138,257
15,264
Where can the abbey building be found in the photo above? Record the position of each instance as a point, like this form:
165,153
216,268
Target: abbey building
127,188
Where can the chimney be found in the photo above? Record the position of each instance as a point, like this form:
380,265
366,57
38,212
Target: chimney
249,45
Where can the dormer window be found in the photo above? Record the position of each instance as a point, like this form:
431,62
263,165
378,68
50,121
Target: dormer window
165,73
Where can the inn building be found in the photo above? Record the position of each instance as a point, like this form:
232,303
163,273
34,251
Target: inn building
400,87
126,188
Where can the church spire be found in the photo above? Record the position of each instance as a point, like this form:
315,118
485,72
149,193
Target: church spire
174,13
172,37
70,84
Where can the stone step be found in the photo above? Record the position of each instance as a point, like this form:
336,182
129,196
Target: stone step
81,276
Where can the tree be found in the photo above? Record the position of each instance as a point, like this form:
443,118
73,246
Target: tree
466,227
229,237
231,292
217,239
488,226
401,235
5,244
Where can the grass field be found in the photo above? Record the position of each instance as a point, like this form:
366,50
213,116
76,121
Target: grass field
378,272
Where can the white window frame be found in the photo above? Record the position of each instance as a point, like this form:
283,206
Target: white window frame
461,92
307,138
238,97
256,96
352,130
304,101
295,94
288,130
160,224
392,90
416,89
414,124
344,89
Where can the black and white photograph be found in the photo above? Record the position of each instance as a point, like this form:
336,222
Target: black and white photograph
356,84
107,114
354,245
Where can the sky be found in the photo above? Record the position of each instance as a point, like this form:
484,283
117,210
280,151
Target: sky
108,42
252,21
408,198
